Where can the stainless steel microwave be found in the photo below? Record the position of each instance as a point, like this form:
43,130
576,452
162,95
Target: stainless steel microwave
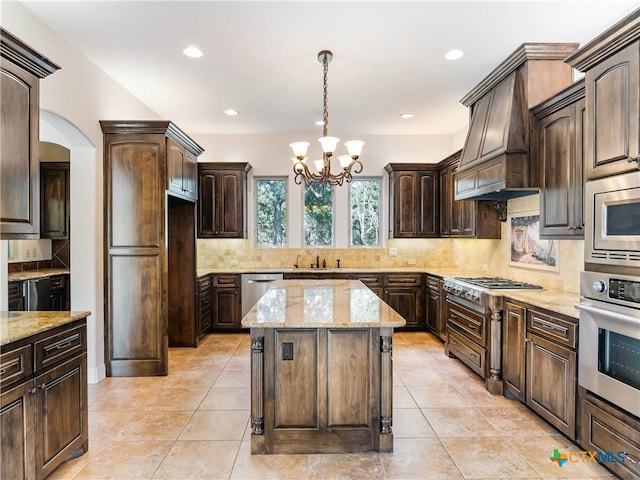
612,220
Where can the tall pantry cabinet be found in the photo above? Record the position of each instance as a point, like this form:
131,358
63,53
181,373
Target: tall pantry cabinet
150,255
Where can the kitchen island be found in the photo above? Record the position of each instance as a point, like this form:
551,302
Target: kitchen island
321,368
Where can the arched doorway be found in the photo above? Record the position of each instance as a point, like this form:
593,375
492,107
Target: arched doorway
85,233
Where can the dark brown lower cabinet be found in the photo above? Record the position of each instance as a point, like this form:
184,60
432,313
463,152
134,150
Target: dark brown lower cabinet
514,324
435,319
15,297
552,369
404,294
205,300
606,428
227,302
44,405
59,294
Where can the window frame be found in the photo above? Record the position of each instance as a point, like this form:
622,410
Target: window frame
333,220
380,212
285,180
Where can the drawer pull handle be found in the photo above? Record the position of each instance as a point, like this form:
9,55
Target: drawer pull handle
474,355
62,346
3,371
629,457
473,327
550,326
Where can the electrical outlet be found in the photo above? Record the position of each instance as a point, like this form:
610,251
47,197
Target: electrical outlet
208,262
485,267
393,252
234,262
28,253
411,261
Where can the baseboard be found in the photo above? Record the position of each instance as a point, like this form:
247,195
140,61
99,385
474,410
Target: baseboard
94,375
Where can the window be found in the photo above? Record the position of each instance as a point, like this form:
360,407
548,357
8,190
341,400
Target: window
318,215
364,203
271,211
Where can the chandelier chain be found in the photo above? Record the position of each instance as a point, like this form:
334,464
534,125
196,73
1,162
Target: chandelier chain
325,108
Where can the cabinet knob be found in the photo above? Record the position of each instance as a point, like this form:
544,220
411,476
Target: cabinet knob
33,390
43,386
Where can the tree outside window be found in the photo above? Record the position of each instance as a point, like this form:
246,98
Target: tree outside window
364,200
271,210
318,215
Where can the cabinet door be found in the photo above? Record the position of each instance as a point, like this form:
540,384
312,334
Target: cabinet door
514,327
227,306
613,130
428,212
190,180
561,170
433,301
551,383
231,205
19,167
175,170
463,218
54,198
207,205
404,204
15,297
61,414
407,302
17,433
446,198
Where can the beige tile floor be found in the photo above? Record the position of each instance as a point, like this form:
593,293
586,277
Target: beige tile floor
194,424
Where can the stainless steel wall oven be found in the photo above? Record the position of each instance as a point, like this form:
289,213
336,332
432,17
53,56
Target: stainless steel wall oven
609,362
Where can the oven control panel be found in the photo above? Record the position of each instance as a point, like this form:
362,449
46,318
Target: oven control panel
619,289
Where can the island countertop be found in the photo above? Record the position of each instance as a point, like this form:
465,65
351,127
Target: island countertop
18,325
321,304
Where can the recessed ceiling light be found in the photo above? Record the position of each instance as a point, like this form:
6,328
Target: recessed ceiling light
231,112
407,115
453,54
193,52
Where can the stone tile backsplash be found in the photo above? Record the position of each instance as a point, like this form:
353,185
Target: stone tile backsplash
486,257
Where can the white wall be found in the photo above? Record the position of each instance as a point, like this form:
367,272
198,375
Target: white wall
72,101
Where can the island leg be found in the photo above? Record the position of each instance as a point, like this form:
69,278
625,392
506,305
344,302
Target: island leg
258,445
386,389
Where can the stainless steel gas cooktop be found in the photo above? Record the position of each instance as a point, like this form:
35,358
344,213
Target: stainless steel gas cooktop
496,282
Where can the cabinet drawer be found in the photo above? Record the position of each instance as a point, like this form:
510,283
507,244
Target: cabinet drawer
60,346
552,328
15,365
205,300
204,283
433,283
226,281
58,282
370,280
471,354
14,289
404,280
472,324
611,432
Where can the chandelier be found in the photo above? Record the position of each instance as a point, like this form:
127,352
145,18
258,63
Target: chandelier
323,174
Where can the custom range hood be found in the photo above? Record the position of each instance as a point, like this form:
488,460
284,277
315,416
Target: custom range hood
495,162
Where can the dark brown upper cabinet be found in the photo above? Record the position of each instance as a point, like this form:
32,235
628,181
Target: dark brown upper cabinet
414,200
495,162
463,218
558,131
611,63
182,171
55,200
222,200
21,69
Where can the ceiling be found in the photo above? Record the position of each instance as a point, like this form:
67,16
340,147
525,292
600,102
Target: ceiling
260,58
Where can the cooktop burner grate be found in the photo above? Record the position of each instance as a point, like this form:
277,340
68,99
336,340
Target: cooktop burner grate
496,282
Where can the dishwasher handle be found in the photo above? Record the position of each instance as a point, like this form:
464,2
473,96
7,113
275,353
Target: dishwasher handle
265,280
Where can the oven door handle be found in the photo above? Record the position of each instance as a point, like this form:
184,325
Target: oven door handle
608,313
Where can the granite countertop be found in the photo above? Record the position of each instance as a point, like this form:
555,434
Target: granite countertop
559,302
31,274
18,325
321,304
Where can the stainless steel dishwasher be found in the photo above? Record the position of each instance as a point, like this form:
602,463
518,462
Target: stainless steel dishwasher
254,285
36,294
